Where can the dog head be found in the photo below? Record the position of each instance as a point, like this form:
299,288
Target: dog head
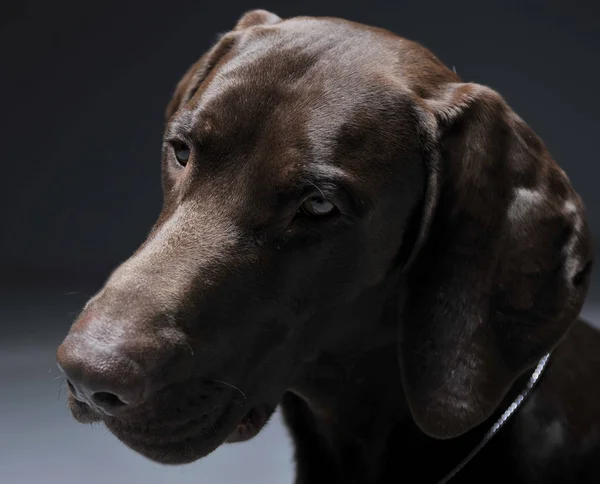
310,165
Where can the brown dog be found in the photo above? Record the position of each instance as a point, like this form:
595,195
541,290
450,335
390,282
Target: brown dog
353,232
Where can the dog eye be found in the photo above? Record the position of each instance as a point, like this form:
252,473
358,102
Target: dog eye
317,207
182,153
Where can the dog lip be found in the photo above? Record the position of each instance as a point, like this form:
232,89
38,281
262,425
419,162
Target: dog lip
182,441
197,438
161,436
166,445
252,423
81,411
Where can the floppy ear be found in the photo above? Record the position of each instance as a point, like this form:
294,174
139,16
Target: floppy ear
200,70
502,262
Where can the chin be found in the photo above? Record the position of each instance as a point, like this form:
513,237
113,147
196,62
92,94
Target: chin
179,442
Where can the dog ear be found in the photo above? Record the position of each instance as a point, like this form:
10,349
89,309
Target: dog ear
200,70
257,17
501,265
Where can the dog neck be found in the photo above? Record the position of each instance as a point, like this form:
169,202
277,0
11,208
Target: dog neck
350,406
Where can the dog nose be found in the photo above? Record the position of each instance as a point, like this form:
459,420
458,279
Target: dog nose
101,376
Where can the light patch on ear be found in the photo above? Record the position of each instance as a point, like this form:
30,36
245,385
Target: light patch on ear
524,200
572,262
570,208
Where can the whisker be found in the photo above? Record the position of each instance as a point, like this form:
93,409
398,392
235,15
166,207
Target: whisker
191,349
232,386
321,191
73,293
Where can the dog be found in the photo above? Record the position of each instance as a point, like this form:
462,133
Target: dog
353,233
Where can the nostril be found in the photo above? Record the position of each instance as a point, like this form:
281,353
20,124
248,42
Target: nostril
107,400
102,376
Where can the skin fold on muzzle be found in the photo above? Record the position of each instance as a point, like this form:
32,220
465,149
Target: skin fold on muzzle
335,200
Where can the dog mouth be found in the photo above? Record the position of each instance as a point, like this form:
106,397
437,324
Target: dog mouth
251,424
183,440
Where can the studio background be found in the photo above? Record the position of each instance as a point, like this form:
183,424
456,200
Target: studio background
83,89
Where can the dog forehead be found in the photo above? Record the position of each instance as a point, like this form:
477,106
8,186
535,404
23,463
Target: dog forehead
306,92
307,62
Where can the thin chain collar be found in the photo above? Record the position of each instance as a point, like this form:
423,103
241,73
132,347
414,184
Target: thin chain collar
509,412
